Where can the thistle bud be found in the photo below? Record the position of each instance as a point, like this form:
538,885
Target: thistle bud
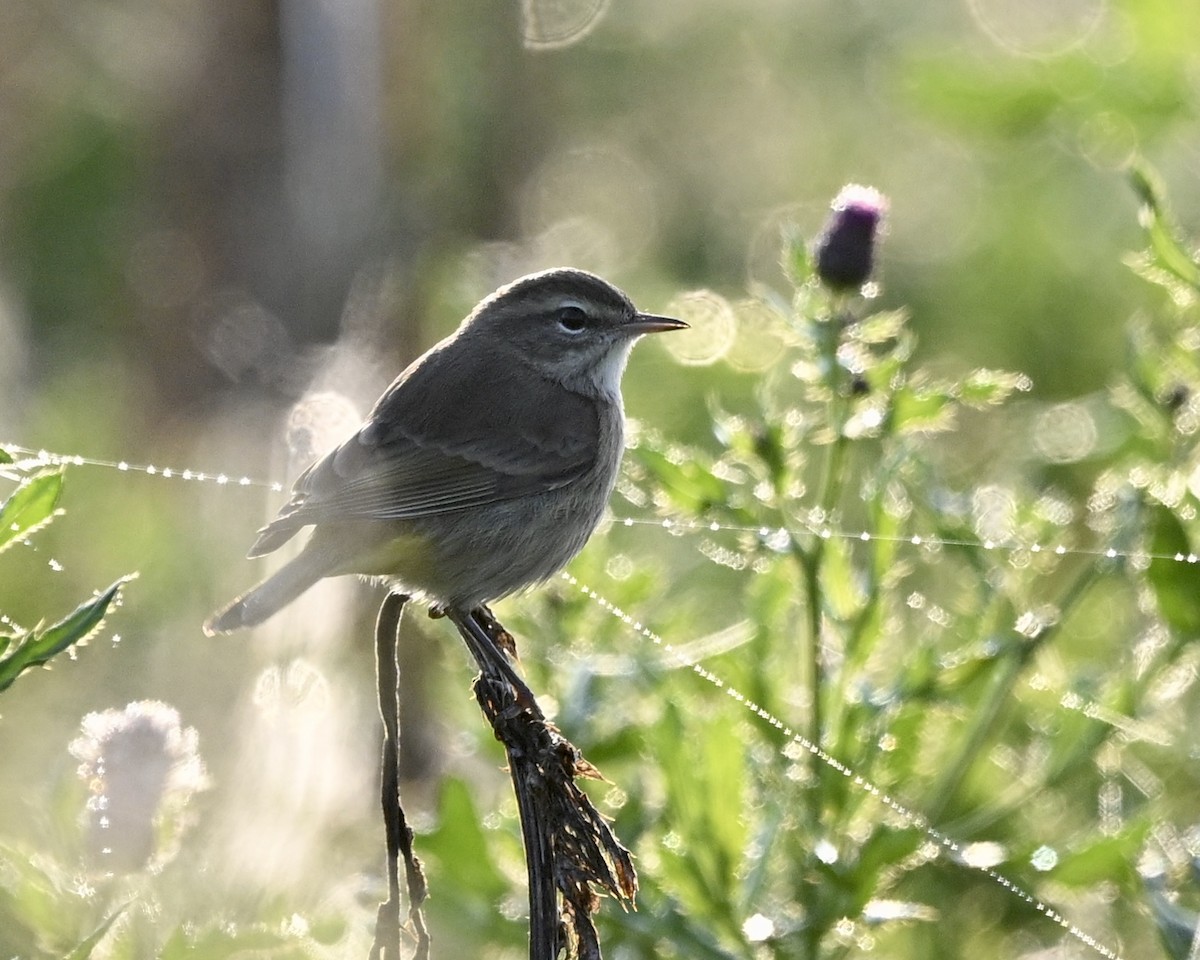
142,767
844,253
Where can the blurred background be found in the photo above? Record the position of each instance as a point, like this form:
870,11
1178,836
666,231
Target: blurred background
225,226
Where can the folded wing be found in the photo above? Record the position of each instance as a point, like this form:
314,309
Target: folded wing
423,452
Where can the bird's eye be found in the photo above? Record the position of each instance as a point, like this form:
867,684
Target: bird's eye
571,318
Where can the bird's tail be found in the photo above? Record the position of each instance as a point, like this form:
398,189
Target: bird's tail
269,597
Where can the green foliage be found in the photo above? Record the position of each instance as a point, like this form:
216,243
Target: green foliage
88,944
835,444
32,506
470,869
1035,708
703,777
1105,859
36,647
1176,584
921,661
1167,261
946,659
45,904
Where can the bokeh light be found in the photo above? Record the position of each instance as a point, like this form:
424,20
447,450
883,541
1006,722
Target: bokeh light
298,762
553,24
760,336
318,423
591,206
994,508
713,328
244,338
1065,433
1035,29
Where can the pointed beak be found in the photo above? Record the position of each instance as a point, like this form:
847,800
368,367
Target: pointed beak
649,323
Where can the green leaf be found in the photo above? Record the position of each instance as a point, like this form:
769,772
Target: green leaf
468,866
880,327
40,645
84,950
843,591
5,456
1165,244
1176,583
691,485
1107,860
986,388
464,850
31,906
922,410
770,447
797,265
31,506
703,761
885,851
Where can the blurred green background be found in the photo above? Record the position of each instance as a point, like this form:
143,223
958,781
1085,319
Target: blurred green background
224,227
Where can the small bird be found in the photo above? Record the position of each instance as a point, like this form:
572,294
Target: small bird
484,467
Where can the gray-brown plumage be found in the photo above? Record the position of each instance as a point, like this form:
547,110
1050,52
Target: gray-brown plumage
483,468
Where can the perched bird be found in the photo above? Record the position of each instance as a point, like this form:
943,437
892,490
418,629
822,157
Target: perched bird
484,467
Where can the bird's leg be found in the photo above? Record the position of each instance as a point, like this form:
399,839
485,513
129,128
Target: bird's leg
487,641
490,625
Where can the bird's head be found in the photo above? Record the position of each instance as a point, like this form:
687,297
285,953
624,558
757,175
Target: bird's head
570,325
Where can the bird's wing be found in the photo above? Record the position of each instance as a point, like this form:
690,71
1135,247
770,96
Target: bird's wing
476,440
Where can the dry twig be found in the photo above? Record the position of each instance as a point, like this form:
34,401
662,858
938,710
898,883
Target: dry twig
397,832
569,846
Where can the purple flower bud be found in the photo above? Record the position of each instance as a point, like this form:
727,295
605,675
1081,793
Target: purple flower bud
845,251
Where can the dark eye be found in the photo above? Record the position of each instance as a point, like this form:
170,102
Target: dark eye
571,318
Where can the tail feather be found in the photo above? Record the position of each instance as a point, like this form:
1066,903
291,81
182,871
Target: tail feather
269,597
273,536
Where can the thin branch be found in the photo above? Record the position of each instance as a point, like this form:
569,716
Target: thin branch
397,832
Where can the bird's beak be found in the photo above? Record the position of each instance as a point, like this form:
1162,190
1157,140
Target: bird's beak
649,323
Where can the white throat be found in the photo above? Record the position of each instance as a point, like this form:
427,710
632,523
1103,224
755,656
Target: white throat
605,376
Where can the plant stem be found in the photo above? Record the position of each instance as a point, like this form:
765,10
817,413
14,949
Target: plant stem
810,561
828,494
985,718
810,566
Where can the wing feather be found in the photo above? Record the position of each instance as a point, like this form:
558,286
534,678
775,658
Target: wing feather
458,429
